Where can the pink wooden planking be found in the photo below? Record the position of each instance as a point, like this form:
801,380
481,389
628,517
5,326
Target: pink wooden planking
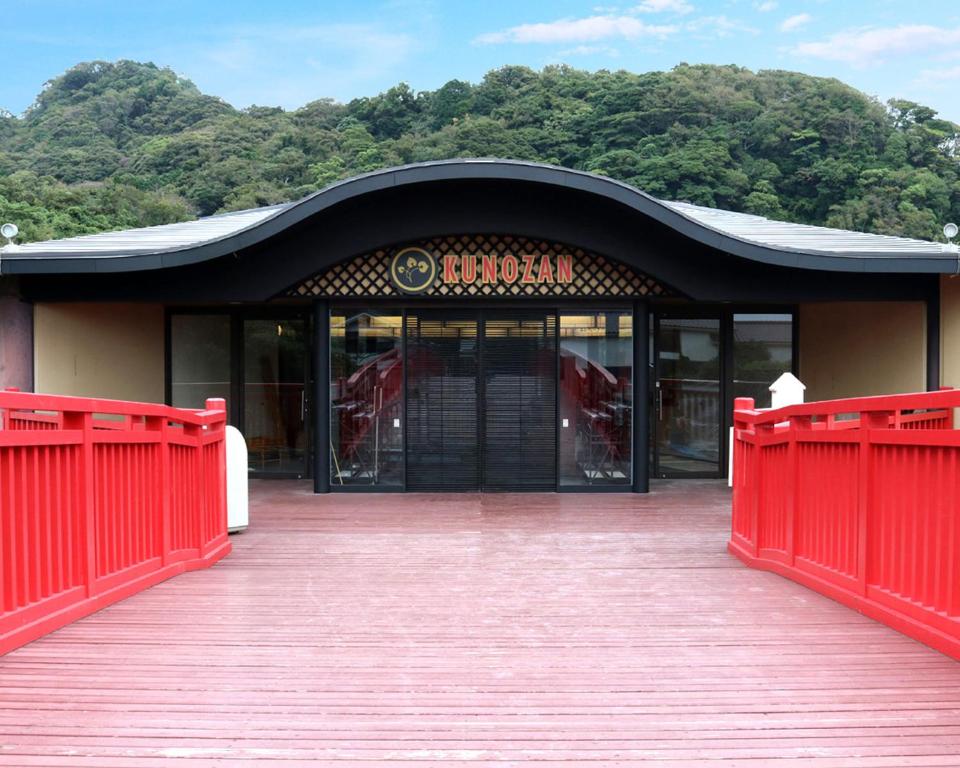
430,630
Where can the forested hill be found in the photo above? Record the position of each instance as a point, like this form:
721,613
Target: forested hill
109,146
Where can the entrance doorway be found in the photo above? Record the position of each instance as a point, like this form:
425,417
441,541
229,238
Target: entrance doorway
687,407
275,365
481,400
701,362
259,362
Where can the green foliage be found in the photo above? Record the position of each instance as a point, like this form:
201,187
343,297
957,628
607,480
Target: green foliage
109,145
45,208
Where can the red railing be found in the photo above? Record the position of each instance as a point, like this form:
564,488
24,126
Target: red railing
865,510
100,499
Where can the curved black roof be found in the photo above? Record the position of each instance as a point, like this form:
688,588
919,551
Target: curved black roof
747,236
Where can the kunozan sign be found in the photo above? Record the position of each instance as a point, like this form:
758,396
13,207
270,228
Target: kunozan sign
414,270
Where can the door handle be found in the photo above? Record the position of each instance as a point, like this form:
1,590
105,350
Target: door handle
303,405
659,402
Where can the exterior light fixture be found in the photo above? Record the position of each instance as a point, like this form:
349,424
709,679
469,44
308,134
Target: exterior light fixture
9,231
950,232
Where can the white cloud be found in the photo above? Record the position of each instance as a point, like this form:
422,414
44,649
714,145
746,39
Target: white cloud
719,26
864,46
766,6
586,30
664,6
795,22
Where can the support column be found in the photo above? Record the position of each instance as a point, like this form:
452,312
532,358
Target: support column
16,338
321,396
933,337
641,397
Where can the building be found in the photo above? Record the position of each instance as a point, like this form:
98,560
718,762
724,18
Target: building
479,324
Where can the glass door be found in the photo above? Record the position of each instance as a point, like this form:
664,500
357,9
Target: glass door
688,403
596,397
443,398
274,394
518,360
366,398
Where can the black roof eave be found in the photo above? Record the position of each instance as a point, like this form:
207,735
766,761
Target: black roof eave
459,170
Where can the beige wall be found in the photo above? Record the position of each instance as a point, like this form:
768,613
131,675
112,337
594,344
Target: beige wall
950,331
853,349
100,350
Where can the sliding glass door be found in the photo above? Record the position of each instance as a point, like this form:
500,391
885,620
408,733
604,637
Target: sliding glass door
274,394
366,399
489,391
687,407
596,398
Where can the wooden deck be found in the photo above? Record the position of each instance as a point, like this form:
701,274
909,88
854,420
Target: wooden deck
360,630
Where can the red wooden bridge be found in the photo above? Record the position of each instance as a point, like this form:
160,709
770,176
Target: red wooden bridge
555,630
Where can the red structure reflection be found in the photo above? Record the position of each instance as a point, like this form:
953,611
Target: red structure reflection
369,399
595,408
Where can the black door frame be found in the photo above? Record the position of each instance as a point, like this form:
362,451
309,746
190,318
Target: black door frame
323,307
544,311
725,313
723,320
318,384
481,314
461,313
236,405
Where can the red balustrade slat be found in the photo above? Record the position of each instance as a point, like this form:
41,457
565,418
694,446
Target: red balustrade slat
87,489
872,502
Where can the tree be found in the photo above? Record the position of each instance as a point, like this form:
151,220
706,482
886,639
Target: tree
107,145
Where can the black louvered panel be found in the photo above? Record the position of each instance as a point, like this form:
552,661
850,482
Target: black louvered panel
443,450
519,357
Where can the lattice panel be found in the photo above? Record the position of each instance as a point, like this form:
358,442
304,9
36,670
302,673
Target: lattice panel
593,275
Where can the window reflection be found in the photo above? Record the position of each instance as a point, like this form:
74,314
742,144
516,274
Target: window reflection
274,401
199,359
762,351
596,398
687,416
366,406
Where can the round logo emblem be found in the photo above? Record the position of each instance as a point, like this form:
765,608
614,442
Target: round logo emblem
413,270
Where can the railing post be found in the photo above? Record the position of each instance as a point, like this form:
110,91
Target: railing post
951,412
759,430
5,412
797,424
158,424
195,433
748,473
869,420
86,495
215,477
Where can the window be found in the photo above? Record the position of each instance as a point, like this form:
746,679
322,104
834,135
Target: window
762,351
366,398
274,397
199,359
596,398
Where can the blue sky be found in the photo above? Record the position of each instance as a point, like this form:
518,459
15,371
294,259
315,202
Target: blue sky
288,52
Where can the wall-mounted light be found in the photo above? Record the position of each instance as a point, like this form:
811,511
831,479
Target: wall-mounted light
9,231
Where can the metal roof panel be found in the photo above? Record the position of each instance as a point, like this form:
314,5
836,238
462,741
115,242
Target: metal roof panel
743,234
